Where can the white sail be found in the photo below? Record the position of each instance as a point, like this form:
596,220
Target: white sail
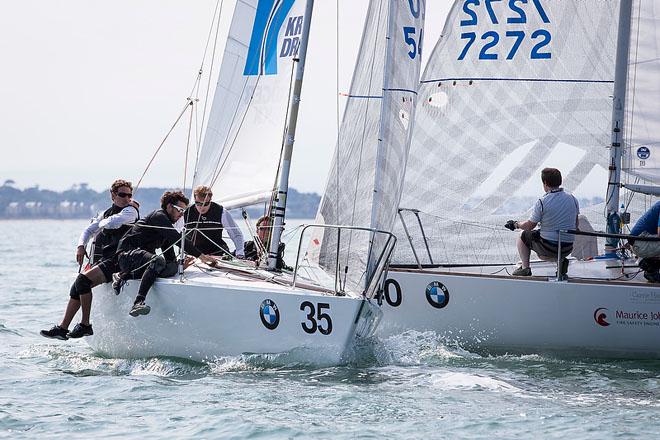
241,150
364,185
642,128
511,88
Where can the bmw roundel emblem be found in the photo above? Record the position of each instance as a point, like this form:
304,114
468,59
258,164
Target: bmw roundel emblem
643,153
269,314
437,294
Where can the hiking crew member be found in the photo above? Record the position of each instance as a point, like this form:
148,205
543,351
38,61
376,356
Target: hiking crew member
108,228
207,220
556,210
137,249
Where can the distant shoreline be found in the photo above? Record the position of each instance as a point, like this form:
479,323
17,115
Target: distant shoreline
81,202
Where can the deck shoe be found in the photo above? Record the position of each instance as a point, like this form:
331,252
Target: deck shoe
140,309
117,283
522,272
56,332
81,330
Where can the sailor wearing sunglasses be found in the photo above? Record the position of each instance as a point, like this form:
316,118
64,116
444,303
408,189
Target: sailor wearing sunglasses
137,249
106,229
207,220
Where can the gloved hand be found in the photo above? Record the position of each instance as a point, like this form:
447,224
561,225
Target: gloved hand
511,225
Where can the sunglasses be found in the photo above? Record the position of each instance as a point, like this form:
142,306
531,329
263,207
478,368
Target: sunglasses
202,203
120,194
178,208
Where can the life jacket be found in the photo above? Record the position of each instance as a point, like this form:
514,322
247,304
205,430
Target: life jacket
207,229
106,241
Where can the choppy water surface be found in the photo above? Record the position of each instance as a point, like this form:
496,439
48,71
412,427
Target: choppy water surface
406,386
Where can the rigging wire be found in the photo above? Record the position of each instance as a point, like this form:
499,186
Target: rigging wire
185,108
210,76
185,162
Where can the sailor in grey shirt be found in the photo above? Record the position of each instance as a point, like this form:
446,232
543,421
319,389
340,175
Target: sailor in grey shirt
556,210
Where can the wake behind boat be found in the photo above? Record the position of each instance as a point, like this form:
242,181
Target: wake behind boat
508,92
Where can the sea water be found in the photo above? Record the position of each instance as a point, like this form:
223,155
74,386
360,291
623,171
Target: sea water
405,386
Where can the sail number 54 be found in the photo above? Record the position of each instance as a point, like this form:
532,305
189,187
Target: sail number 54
410,35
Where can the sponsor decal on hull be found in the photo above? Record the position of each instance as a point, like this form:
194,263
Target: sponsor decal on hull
437,295
605,318
269,314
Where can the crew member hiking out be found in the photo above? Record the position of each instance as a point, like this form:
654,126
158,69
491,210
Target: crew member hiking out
137,249
107,228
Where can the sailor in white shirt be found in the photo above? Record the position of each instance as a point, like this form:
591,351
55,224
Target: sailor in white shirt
108,228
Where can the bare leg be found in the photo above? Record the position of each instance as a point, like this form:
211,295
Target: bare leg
97,277
71,310
524,252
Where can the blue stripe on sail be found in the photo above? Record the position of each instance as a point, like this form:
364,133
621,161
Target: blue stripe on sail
586,81
400,90
273,34
268,22
363,96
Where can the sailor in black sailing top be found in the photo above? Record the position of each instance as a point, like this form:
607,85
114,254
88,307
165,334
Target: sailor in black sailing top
137,249
107,228
207,220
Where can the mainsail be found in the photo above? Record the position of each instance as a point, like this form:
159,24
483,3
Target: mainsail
512,87
241,151
642,127
364,184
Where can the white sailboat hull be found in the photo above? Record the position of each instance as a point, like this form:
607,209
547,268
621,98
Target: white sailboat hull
505,314
202,320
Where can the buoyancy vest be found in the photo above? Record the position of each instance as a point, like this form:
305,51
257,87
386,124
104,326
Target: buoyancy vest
106,241
207,229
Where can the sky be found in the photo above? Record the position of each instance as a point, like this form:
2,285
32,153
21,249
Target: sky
90,88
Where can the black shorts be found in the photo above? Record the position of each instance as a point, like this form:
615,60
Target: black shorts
544,248
108,267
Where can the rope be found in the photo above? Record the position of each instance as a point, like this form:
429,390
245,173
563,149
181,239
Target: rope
185,108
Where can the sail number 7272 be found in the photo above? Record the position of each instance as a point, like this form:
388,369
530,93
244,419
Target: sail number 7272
507,13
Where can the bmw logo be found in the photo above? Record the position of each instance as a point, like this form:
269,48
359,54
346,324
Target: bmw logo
643,153
437,294
269,314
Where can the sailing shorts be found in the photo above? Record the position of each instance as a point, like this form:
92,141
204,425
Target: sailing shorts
545,249
108,266
646,249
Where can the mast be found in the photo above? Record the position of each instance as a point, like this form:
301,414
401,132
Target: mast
618,114
278,211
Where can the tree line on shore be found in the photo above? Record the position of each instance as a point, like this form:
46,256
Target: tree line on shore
80,201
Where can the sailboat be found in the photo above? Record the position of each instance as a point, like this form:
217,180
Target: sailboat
512,88
235,307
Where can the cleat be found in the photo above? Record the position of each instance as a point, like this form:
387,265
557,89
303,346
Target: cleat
522,272
139,309
81,330
56,332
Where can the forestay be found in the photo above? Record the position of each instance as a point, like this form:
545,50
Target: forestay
241,151
642,129
511,87
365,180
